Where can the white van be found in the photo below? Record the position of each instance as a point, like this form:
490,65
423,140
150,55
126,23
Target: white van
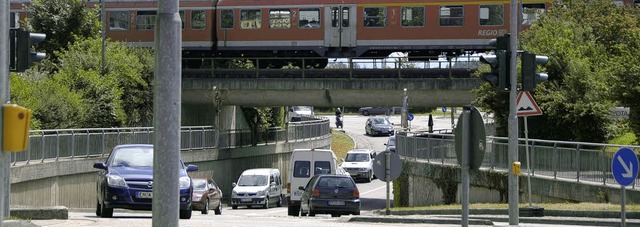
304,164
296,112
261,187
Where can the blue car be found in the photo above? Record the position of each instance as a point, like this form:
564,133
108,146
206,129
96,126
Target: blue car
125,181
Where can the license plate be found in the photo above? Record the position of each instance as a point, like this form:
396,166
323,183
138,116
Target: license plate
336,203
145,195
297,193
246,200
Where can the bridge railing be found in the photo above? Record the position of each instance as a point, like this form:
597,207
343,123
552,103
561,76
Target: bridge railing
581,162
391,67
74,143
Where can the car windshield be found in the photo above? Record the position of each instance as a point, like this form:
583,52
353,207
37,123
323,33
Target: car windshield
302,108
355,157
335,182
252,180
380,121
199,184
133,157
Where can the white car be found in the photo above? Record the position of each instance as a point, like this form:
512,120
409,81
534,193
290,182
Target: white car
359,164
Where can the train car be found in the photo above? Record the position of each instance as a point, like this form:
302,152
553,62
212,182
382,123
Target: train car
318,28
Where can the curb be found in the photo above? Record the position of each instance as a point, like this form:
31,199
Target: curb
42,213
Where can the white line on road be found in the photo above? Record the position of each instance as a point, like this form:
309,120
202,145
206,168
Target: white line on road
372,190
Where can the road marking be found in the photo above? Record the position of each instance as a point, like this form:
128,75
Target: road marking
372,190
275,210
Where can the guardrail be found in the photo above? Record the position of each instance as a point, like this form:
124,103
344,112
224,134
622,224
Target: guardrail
72,143
581,162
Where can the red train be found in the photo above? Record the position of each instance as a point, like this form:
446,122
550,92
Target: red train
320,28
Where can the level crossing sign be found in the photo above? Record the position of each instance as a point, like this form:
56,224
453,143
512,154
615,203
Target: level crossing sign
624,166
526,106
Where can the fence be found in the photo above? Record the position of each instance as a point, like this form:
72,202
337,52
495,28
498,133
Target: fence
71,143
581,162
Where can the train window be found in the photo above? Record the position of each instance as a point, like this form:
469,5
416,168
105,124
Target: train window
309,18
12,21
181,12
412,16
226,18
636,4
145,20
279,18
375,16
451,16
491,14
198,20
250,19
119,20
531,12
345,17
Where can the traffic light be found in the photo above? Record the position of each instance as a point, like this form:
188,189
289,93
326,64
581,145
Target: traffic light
24,42
530,78
499,75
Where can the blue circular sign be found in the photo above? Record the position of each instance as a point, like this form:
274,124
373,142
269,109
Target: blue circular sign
624,166
410,117
444,109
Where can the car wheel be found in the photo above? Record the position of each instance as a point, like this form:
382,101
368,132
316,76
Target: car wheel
218,210
369,176
311,213
266,203
356,213
293,210
206,207
186,214
279,203
335,215
365,112
98,211
105,212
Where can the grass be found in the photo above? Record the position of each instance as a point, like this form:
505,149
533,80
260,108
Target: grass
549,206
341,143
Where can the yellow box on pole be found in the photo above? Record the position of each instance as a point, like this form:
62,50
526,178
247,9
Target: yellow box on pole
15,130
516,168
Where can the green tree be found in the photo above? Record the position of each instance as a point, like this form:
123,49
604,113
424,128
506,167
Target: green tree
586,42
63,21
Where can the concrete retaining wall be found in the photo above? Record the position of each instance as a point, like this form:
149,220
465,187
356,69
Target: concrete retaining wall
71,183
433,184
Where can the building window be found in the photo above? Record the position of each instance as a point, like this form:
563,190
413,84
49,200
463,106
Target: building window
12,20
250,19
198,20
412,16
451,16
491,14
375,17
226,18
279,18
145,20
119,20
531,12
309,18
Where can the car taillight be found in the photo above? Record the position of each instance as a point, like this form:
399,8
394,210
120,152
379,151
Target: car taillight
315,193
356,194
289,188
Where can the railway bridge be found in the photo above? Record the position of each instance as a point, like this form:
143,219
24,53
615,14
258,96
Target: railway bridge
203,89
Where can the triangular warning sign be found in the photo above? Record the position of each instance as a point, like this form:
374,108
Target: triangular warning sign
526,106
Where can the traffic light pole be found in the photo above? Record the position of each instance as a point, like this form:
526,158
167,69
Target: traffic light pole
513,118
5,157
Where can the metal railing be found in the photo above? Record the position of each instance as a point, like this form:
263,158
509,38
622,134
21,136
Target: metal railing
93,142
576,161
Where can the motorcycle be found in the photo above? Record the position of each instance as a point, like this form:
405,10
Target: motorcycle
339,122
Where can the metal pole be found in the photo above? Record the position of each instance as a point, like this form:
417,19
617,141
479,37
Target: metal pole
513,119
5,157
387,176
103,19
623,215
465,165
405,106
526,141
166,119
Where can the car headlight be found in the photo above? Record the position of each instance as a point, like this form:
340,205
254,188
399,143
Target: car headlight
185,182
234,193
260,193
116,181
